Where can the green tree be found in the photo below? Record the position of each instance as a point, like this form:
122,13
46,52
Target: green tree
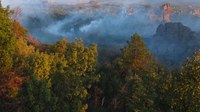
105,94
187,87
37,96
70,85
129,82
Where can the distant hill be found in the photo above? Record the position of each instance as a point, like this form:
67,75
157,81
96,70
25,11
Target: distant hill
173,43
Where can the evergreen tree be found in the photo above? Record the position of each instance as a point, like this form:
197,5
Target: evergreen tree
140,75
137,57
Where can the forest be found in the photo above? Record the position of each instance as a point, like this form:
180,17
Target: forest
71,77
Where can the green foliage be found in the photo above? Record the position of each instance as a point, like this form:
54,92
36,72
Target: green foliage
107,92
140,76
188,86
36,95
128,83
69,92
179,90
7,41
80,58
70,84
164,90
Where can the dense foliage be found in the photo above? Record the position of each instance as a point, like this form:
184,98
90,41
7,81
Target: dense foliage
67,77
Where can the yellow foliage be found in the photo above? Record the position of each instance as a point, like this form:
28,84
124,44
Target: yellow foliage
84,108
22,49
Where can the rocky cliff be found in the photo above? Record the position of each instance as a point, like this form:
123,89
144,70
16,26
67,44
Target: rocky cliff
173,43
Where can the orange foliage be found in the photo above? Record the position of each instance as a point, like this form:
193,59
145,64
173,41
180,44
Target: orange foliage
18,30
33,41
10,85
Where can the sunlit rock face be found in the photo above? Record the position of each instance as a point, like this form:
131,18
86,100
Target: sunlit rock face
173,43
167,11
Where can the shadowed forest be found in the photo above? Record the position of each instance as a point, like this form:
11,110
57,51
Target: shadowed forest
70,76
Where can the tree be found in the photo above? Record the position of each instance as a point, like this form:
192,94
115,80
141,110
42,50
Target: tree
9,81
70,86
105,94
7,41
60,47
22,54
137,57
129,82
19,31
188,87
69,92
140,75
36,95
40,65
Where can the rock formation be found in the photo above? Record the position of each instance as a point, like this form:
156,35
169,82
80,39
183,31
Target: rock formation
173,43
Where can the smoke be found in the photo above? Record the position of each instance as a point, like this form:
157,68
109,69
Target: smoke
14,3
178,2
107,22
110,23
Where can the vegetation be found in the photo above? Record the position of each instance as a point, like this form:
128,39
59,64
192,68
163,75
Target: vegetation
67,77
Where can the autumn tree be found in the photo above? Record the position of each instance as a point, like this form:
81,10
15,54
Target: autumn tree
140,75
7,41
128,83
8,87
137,56
64,76
40,65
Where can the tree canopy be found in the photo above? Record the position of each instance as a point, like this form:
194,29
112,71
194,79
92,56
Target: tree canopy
68,77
